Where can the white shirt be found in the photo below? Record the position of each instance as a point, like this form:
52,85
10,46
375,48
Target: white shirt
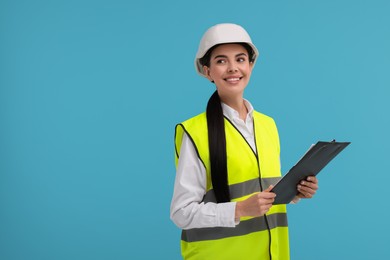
187,209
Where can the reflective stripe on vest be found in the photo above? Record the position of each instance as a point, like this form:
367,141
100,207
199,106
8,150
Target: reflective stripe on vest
251,239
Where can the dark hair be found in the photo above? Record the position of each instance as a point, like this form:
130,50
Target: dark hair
217,148
217,137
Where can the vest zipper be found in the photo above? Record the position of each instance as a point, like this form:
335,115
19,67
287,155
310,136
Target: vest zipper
261,188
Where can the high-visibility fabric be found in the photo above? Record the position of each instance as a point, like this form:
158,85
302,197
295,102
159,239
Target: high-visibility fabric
256,238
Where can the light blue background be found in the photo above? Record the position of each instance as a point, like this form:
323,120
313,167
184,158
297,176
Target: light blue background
90,92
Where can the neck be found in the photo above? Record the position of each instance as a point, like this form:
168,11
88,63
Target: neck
238,105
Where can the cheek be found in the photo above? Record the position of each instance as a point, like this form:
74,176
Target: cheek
218,71
248,71
214,74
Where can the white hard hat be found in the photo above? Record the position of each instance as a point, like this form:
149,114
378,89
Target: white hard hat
222,33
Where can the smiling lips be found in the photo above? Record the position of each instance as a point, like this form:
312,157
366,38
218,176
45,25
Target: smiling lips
233,79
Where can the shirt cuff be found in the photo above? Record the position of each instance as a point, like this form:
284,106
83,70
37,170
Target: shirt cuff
227,214
295,200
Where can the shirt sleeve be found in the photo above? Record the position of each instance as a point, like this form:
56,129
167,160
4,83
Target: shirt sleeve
187,209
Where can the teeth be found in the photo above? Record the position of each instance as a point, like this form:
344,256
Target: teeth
232,79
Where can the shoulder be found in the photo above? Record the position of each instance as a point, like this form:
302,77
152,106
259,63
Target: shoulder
191,126
199,120
195,129
199,117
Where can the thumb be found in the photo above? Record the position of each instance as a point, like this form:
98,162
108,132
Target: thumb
269,188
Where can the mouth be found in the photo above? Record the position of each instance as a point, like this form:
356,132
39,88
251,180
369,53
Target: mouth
233,79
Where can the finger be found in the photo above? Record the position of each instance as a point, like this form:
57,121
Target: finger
264,209
306,189
307,195
266,195
304,195
311,185
266,206
267,201
312,179
269,188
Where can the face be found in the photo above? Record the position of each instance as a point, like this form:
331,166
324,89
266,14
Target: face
230,69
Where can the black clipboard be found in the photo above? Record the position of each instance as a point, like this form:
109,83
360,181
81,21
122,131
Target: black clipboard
315,159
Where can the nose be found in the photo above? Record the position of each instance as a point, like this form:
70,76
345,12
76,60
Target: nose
232,68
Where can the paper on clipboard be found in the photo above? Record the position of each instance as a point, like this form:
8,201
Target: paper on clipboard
311,163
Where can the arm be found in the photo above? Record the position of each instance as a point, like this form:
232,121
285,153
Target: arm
187,209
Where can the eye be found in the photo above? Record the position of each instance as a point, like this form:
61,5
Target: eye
220,61
241,59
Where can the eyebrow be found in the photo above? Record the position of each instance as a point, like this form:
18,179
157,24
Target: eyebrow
224,56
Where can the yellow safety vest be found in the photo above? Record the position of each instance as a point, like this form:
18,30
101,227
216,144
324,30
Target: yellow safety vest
257,238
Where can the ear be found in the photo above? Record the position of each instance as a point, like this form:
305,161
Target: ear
207,73
251,65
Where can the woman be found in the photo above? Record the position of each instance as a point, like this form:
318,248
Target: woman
227,160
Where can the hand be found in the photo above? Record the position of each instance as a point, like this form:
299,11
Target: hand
256,205
307,188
